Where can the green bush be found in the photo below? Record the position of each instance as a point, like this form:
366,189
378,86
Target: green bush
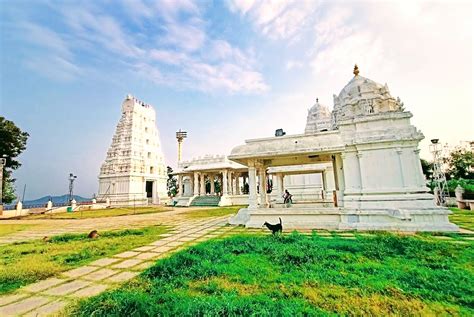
467,184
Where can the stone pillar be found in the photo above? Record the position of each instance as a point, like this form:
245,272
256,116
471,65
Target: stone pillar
213,188
281,187
49,205
107,202
73,204
339,178
202,190
196,184
263,186
180,186
252,187
400,166
231,183
237,185
359,159
224,183
323,176
19,206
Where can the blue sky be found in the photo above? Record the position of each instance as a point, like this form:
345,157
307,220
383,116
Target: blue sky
224,71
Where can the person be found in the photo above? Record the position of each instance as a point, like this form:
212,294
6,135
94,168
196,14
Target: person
287,197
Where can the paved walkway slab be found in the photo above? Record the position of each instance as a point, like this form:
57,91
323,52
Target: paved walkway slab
36,287
80,271
127,264
90,291
23,306
100,274
48,309
67,288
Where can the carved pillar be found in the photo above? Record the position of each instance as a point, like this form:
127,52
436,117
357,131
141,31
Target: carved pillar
323,176
252,186
196,184
281,184
263,186
237,185
180,186
211,179
400,166
202,190
224,183
359,159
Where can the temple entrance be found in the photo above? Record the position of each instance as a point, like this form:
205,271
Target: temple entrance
149,191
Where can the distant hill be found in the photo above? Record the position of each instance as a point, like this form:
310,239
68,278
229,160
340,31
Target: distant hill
55,199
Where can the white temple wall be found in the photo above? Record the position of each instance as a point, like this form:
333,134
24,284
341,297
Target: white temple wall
352,175
377,165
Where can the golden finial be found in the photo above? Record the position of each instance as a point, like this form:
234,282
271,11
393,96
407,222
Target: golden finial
356,70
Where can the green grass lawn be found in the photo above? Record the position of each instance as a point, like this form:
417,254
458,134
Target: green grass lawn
6,229
462,218
298,275
214,212
100,213
27,262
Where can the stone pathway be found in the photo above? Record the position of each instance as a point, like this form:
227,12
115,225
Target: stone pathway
52,295
52,227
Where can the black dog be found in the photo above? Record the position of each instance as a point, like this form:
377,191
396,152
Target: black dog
274,228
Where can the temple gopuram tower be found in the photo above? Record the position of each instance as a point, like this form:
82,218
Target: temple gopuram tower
134,171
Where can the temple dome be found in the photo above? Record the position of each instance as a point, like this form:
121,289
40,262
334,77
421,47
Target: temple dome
318,119
361,97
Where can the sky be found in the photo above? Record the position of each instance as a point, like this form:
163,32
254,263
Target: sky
224,71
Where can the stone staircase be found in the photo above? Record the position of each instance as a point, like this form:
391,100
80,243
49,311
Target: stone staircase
206,201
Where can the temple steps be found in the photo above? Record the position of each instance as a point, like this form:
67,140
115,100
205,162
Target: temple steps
206,201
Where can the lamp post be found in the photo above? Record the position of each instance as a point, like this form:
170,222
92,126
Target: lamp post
72,177
180,136
3,162
441,187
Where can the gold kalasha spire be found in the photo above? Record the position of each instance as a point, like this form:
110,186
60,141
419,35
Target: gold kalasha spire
356,70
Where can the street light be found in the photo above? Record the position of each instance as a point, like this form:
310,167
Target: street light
72,177
3,162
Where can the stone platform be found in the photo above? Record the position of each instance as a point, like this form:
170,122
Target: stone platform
308,216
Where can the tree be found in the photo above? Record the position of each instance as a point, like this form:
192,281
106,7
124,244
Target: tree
460,164
427,168
171,183
12,144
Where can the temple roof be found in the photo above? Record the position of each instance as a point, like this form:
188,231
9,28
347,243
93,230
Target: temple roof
360,87
207,163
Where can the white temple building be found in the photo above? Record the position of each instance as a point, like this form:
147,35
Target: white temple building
134,171
376,178
211,180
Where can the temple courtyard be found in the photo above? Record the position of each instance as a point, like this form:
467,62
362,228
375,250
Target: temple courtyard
188,261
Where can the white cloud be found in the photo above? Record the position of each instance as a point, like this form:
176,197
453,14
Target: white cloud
103,30
229,77
293,64
165,42
54,67
189,36
168,57
275,18
45,38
